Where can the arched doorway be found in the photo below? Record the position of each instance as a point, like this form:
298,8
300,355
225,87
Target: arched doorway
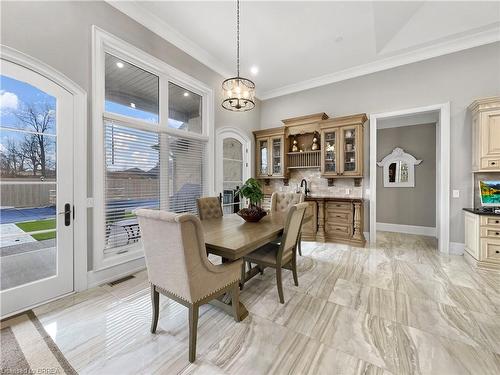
232,167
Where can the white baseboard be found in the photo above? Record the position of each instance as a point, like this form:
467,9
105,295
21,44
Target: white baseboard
96,278
456,248
409,229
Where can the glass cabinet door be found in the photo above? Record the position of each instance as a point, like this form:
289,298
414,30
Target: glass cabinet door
276,161
330,152
350,150
263,159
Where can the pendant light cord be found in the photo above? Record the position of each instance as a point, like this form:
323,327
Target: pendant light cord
238,37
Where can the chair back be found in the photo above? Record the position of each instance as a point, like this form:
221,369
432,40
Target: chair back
291,231
174,248
209,208
281,202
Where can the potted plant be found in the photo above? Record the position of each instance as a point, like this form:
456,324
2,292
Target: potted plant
252,191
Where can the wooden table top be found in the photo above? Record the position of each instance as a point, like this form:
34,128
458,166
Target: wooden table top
231,237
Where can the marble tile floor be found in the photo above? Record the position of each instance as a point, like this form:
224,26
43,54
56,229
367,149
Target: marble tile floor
396,308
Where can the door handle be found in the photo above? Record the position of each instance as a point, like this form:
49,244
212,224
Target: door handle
67,214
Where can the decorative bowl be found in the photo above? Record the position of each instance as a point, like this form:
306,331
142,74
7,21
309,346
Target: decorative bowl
252,215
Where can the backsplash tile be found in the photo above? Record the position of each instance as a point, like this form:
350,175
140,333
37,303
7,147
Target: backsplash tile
317,184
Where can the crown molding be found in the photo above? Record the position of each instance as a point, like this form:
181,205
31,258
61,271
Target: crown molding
134,10
444,48
161,28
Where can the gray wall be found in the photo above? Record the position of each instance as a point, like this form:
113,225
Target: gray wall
59,34
458,78
409,206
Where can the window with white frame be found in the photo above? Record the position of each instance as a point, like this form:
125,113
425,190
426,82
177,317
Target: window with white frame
153,127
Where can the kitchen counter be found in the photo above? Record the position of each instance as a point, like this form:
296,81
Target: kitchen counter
481,211
314,197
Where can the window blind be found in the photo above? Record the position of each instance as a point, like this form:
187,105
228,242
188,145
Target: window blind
146,169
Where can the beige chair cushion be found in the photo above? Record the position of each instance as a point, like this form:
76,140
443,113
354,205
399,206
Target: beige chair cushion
209,208
176,257
293,228
267,254
282,202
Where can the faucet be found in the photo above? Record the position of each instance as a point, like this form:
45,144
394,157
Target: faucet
306,191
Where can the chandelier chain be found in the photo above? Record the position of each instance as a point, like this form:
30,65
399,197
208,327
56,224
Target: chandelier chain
238,37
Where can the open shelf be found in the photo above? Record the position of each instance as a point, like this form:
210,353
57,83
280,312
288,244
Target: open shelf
302,160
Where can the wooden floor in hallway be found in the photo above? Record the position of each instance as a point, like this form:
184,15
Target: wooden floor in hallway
395,308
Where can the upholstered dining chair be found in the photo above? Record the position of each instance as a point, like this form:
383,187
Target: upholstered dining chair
281,202
178,267
284,254
209,208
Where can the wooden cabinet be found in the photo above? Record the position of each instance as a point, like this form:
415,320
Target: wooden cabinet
337,220
270,153
482,240
486,135
342,146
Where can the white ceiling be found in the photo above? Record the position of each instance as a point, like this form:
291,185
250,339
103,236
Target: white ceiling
303,44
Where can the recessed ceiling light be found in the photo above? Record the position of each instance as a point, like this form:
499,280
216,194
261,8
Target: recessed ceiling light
186,94
132,105
120,64
254,70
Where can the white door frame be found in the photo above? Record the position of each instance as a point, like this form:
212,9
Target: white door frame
230,132
79,163
442,175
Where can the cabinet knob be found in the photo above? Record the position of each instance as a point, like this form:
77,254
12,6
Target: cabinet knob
493,163
497,251
496,221
497,234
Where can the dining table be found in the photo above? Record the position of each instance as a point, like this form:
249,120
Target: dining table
232,238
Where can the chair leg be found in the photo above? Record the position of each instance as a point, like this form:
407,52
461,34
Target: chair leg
300,244
294,271
235,302
193,327
279,284
243,275
155,304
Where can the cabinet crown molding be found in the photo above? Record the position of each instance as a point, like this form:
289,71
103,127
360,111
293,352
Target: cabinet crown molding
301,120
490,103
358,119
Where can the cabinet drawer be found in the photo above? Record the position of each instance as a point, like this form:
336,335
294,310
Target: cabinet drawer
490,249
490,221
338,206
335,217
337,230
490,232
493,164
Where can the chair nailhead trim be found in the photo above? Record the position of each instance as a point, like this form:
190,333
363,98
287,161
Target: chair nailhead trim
199,299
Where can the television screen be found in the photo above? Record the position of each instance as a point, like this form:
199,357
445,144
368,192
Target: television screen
490,193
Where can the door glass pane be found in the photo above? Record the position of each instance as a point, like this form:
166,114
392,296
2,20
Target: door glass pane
276,156
233,174
349,150
28,183
329,150
130,91
184,109
263,157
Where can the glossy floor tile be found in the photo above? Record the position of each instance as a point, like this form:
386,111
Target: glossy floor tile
395,308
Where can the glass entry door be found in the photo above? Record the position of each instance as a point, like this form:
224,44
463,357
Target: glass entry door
36,214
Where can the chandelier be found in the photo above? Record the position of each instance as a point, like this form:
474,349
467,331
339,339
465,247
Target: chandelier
238,92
